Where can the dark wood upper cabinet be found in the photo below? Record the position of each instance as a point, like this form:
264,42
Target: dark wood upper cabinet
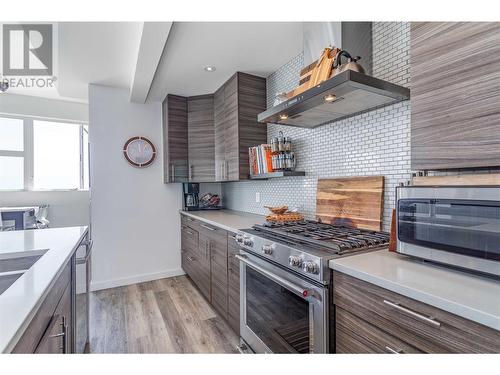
175,139
237,104
206,137
201,141
455,91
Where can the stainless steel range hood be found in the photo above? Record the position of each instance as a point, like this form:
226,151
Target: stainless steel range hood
344,95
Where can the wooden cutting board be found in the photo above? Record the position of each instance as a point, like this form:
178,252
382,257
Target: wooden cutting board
353,201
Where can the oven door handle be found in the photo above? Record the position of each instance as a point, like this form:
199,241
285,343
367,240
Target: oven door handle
283,282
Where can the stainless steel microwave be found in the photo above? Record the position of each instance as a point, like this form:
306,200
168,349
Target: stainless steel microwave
453,225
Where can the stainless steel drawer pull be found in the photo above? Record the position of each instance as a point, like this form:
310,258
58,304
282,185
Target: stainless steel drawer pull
413,314
191,259
189,219
207,227
189,232
394,351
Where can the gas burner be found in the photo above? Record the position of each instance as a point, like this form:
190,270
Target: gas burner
337,238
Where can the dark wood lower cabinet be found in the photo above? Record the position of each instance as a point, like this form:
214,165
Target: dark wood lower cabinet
233,283
371,319
52,328
208,259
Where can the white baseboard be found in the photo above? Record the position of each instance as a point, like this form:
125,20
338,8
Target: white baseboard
106,284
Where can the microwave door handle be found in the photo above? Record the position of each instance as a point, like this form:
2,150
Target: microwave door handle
283,282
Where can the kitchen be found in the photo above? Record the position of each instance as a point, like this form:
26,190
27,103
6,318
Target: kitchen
341,198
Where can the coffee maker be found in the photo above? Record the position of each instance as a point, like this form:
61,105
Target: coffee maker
191,200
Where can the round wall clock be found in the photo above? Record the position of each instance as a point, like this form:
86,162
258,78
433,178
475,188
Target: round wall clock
139,151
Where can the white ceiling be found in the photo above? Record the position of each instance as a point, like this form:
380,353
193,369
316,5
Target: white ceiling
90,52
253,47
103,53
107,53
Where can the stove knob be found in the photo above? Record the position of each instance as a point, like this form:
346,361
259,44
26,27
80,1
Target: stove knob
238,238
247,241
294,261
267,249
310,267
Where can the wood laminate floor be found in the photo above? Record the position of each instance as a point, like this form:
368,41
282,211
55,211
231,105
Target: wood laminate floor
161,316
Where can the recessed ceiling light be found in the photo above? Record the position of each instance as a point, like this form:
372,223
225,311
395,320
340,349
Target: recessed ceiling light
209,68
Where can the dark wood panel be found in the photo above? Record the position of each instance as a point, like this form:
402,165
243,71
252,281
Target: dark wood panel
356,336
220,133
231,134
35,330
454,335
455,117
251,102
175,139
233,283
201,133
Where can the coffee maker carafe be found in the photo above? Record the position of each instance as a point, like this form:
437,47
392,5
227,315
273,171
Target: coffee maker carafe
191,192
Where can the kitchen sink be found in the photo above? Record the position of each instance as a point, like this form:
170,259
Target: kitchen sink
13,268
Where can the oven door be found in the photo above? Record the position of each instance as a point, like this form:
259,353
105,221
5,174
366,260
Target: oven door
279,311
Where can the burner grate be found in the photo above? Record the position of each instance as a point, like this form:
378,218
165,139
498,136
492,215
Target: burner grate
339,238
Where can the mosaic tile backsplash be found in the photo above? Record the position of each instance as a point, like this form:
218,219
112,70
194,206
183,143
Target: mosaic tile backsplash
373,143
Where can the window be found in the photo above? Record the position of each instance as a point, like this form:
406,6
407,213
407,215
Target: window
11,154
43,155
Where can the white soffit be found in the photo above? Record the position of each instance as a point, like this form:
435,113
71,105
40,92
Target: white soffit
153,39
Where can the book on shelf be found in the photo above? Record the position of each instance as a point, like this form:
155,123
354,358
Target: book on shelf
260,159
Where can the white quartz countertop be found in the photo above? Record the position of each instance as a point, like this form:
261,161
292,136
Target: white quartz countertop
472,297
227,219
20,302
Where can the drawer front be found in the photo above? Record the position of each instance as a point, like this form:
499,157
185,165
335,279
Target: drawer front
219,289
354,335
424,327
187,263
189,239
215,233
190,222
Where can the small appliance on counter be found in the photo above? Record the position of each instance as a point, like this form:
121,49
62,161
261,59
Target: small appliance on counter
457,226
193,202
191,196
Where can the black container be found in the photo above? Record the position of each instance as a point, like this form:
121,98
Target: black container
191,196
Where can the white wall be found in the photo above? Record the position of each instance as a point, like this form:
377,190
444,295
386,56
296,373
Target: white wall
135,218
66,208
50,109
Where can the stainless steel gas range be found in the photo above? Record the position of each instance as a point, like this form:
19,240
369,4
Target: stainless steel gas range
285,282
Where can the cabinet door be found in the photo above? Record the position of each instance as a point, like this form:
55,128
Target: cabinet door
251,101
201,144
58,336
455,117
175,139
218,270
202,259
231,129
220,136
